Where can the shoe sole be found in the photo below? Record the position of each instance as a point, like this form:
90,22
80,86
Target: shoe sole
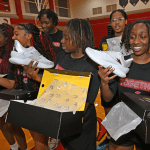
93,54
18,61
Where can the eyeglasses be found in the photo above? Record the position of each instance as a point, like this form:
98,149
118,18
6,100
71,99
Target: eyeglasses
115,19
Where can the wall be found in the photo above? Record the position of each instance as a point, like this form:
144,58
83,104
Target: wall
83,8
99,26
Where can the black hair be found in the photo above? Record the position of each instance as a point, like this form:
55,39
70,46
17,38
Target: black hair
42,43
121,11
81,33
7,31
127,32
50,15
38,38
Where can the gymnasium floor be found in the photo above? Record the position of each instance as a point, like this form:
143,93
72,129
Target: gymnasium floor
5,146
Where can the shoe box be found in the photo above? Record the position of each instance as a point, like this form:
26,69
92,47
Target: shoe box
140,104
51,123
18,94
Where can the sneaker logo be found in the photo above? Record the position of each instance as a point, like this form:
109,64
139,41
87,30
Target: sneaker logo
119,60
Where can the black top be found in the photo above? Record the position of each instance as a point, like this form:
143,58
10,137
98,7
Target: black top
103,41
27,83
64,61
86,140
56,39
137,80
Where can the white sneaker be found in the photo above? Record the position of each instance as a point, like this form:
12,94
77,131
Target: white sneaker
110,58
23,56
53,143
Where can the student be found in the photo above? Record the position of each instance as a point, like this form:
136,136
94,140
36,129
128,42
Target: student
78,35
28,35
6,45
48,21
118,20
138,40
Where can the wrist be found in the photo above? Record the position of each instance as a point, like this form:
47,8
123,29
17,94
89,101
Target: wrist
35,77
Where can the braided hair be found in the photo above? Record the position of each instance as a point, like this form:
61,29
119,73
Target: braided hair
42,44
81,33
125,36
7,32
127,32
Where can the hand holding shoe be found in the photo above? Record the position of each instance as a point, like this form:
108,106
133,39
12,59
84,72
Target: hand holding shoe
104,74
32,72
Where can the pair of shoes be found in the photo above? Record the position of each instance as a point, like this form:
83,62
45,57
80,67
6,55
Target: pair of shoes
103,145
53,143
23,56
110,58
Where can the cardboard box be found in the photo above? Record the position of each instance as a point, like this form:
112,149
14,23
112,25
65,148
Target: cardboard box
45,121
140,104
18,94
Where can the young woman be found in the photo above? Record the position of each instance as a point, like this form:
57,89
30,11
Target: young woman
48,21
6,45
78,35
138,39
28,35
118,20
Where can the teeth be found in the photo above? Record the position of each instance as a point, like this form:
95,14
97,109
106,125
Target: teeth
137,47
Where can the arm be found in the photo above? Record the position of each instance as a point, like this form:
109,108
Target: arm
7,83
105,90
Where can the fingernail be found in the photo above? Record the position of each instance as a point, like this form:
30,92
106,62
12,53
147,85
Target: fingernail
37,62
32,59
110,66
113,69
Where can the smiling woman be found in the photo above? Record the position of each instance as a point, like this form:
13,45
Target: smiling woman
48,21
118,20
137,37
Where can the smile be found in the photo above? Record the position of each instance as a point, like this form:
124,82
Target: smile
137,48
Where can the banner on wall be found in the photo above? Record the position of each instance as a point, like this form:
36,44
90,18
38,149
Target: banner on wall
123,3
145,1
134,2
4,20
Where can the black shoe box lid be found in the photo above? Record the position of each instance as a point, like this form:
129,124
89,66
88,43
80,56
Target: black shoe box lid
18,94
